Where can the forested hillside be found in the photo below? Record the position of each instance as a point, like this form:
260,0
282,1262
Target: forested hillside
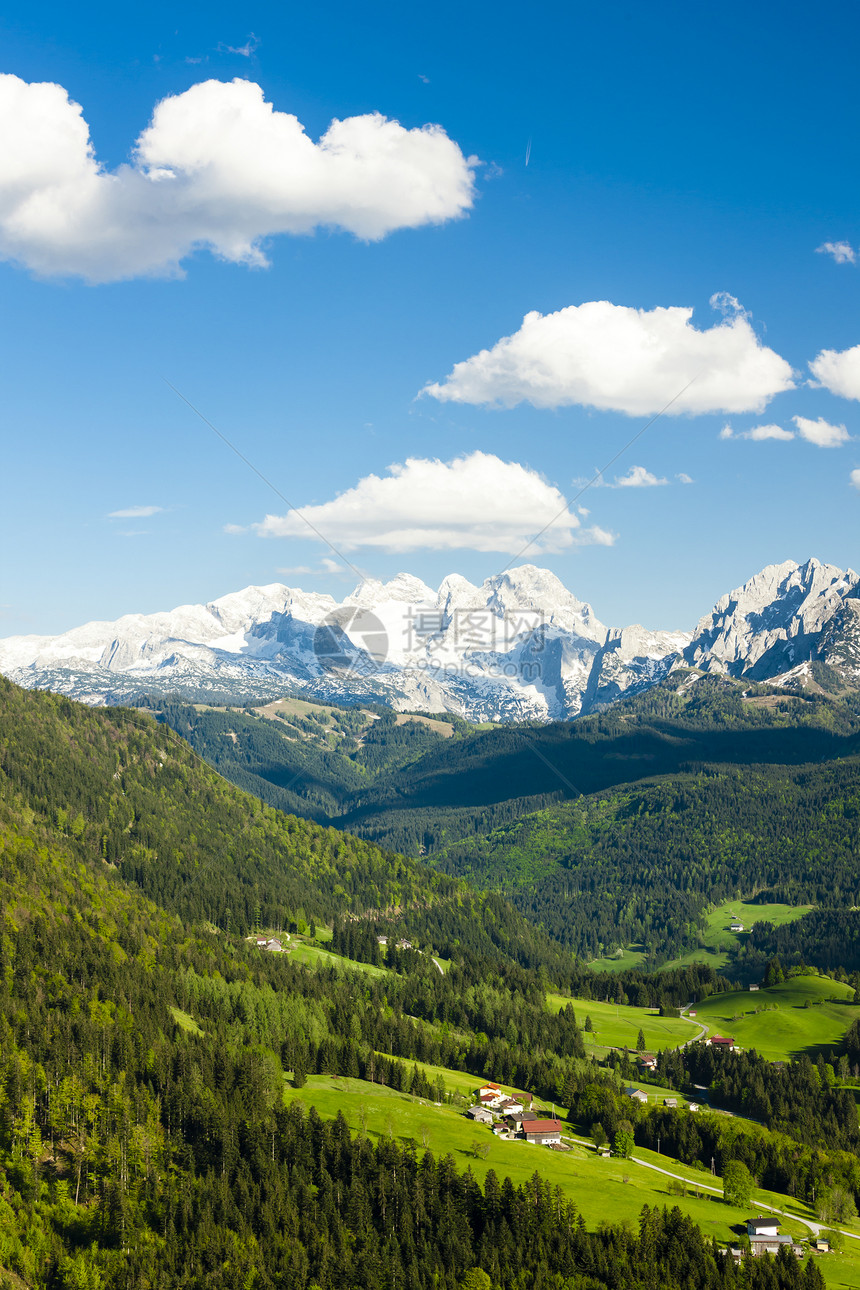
618,829
116,784
641,864
145,1142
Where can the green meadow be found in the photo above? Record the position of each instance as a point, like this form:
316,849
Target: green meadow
315,956
718,943
801,1015
618,1025
598,1186
184,1021
632,956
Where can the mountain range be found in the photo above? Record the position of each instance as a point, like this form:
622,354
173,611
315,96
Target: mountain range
519,647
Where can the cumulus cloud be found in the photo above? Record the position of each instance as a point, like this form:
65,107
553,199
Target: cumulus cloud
218,168
838,371
476,502
135,513
638,477
842,252
821,432
758,433
684,478
622,359
855,479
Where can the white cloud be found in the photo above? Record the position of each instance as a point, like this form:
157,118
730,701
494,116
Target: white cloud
235,530
821,432
855,479
617,358
251,45
758,433
728,305
842,252
638,477
838,371
683,478
135,513
477,502
217,168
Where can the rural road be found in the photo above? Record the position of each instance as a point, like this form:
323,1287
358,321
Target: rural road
815,1228
703,1030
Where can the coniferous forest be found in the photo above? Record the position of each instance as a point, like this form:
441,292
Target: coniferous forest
144,1044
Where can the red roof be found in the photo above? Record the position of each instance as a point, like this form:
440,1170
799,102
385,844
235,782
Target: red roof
721,1039
542,1126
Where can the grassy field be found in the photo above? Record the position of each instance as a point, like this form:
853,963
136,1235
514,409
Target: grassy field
633,956
777,1022
316,956
615,1025
185,1021
842,1271
601,1188
718,942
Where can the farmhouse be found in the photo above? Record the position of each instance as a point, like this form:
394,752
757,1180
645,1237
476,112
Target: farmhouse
764,1237
481,1114
670,1102
719,1041
648,1061
489,1089
754,989
736,926
542,1132
516,1119
636,1094
510,1106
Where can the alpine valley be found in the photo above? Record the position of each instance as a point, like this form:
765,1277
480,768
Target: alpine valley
520,647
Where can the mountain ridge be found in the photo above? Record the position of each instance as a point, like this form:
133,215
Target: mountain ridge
519,647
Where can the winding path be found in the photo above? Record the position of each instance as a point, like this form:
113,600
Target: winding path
815,1228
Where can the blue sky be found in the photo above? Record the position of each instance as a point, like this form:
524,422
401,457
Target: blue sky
674,152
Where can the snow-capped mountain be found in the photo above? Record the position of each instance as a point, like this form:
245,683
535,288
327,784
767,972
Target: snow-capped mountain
786,615
518,647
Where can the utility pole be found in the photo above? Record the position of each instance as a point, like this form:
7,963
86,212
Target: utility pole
713,1170
658,1144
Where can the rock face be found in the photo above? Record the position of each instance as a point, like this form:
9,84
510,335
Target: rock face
785,615
518,647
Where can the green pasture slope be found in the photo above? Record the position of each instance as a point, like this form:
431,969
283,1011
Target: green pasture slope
718,944
800,1015
618,1025
603,1189
596,1185
315,956
632,956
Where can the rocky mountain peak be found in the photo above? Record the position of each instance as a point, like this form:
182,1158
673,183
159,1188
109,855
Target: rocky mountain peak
519,646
